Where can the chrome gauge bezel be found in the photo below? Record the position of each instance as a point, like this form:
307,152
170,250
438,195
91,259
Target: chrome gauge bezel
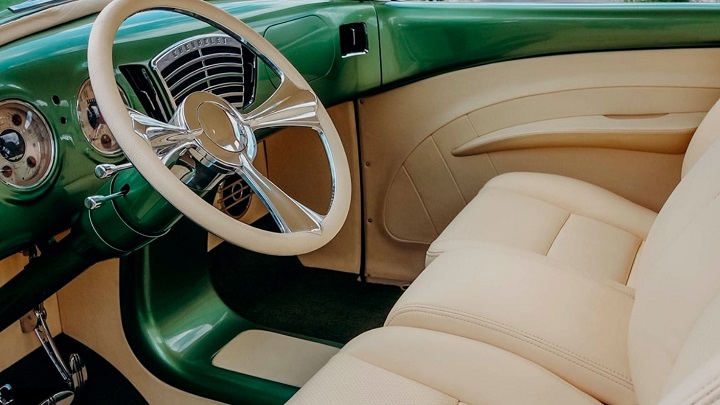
87,136
40,181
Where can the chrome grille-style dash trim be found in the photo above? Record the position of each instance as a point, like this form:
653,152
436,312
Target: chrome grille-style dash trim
217,63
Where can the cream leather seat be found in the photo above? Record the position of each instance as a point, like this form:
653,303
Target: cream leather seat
568,220
493,327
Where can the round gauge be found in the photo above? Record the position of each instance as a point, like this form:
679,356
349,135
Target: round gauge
27,148
92,122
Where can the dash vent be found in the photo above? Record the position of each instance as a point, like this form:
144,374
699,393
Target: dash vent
216,63
234,196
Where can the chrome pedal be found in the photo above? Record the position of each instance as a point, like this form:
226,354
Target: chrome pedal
78,372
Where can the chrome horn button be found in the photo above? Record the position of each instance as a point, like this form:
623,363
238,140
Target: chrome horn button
225,135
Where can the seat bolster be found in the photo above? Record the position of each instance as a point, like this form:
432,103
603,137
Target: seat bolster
529,304
399,365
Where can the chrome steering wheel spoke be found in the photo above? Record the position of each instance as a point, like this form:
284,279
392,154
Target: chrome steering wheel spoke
288,106
289,214
168,141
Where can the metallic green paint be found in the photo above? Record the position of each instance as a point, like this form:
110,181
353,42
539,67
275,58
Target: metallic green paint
178,322
419,39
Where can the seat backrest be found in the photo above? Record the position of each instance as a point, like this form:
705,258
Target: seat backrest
675,326
705,135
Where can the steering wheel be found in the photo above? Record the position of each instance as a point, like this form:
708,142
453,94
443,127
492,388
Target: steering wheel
218,136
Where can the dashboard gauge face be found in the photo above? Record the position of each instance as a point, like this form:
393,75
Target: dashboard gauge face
27,147
93,124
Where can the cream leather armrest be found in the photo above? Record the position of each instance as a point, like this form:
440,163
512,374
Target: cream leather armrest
664,133
525,303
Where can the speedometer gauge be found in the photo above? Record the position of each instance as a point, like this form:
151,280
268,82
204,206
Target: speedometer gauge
92,122
27,148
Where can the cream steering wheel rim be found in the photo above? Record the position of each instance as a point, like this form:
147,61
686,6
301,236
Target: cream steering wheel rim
137,150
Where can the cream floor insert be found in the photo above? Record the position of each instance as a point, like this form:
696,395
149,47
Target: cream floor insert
274,357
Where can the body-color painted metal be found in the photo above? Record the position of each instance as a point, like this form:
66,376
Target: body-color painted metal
178,322
419,39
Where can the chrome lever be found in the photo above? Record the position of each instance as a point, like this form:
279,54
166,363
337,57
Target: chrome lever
46,340
106,170
74,376
96,201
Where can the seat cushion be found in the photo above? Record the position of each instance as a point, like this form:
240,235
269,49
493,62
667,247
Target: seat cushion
533,306
569,220
399,365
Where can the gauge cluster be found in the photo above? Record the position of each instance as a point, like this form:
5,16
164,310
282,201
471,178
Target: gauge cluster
27,146
92,122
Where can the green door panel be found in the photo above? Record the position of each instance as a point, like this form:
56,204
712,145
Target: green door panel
419,39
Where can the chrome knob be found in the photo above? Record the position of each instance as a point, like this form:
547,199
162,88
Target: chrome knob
104,171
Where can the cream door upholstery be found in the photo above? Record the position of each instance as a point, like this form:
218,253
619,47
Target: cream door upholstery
568,220
586,116
532,306
398,365
673,338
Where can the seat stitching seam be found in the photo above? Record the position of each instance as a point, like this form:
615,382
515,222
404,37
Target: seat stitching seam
637,253
440,311
542,369
514,329
569,214
529,335
623,382
703,388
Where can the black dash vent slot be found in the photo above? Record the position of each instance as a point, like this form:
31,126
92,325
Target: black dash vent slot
353,39
141,82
